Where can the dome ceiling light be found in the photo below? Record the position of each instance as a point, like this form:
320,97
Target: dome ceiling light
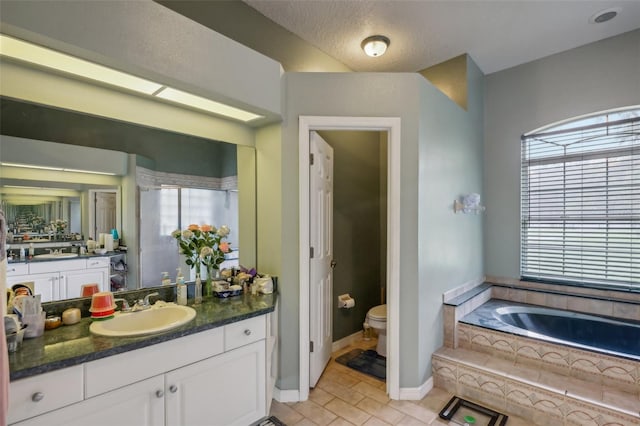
375,46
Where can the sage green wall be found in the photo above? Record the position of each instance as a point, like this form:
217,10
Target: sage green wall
438,250
356,226
591,78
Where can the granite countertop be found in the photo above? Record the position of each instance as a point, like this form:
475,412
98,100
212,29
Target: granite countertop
48,259
70,345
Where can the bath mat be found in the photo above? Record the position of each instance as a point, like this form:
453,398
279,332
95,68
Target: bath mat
462,412
367,362
269,421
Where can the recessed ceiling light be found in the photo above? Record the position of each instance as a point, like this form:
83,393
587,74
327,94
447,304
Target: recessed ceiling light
375,46
604,15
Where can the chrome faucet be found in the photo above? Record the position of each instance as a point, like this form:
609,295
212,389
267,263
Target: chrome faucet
144,304
125,305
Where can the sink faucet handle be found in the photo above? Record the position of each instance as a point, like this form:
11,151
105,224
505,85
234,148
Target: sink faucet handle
146,298
125,304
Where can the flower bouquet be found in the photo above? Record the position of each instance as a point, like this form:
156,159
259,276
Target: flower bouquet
203,245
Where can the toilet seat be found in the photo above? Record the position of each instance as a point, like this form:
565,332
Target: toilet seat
378,313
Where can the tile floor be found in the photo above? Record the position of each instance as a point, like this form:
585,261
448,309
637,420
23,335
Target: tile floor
347,397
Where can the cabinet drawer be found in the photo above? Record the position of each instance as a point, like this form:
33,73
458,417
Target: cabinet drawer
45,392
97,262
57,266
17,269
244,332
110,373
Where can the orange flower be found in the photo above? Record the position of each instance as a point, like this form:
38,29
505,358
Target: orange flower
224,247
193,227
206,228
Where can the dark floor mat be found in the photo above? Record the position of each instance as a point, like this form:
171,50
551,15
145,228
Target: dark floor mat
367,362
269,421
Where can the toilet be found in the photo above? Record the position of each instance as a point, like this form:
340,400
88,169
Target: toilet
377,319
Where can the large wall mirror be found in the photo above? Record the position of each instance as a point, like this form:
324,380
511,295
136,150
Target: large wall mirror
172,180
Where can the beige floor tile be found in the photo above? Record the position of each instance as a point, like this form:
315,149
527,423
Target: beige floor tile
436,399
306,422
415,410
383,411
340,422
348,395
317,413
374,421
411,421
319,396
344,378
372,392
347,411
285,413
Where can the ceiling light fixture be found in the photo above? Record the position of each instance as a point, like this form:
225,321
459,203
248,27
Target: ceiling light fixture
55,169
44,57
604,15
375,46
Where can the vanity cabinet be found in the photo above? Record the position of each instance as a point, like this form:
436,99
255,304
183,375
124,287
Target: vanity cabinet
215,377
61,279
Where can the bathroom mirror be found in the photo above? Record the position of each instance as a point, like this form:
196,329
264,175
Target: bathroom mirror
167,153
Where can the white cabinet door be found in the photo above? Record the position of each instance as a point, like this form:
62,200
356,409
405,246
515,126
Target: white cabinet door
71,282
140,404
46,284
224,390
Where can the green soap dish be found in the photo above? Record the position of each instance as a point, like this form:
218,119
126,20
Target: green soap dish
469,419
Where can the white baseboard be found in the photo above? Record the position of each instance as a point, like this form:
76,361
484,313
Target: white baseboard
414,394
346,341
287,395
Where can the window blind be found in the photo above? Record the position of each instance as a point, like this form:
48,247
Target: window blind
580,202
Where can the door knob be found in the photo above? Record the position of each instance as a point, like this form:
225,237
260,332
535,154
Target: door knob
173,388
333,264
37,397
159,393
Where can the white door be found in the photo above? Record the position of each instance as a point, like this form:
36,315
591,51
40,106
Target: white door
321,253
105,212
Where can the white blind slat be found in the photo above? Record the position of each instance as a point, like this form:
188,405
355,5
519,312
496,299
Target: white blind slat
580,201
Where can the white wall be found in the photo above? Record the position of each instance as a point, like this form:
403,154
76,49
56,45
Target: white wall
592,78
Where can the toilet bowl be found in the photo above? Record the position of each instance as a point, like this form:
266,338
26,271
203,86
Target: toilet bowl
377,319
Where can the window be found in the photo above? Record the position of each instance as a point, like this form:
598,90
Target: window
580,201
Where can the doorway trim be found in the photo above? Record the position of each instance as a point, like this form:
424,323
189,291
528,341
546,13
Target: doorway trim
391,125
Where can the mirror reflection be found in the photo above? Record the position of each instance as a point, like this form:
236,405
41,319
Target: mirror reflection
166,187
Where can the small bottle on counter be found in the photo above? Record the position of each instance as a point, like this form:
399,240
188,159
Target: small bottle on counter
32,251
165,279
22,255
181,288
198,290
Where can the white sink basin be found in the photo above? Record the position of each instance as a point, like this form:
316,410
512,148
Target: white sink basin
157,319
55,255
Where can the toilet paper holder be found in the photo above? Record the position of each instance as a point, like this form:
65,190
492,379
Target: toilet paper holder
346,301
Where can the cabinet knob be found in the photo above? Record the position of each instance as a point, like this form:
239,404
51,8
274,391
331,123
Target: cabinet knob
37,397
173,388
247,332
159,393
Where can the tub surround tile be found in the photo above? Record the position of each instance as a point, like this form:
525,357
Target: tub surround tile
626,310
534,393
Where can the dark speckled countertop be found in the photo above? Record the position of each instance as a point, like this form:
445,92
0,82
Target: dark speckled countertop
66,346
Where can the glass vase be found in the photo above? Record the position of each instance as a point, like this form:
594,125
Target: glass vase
212,274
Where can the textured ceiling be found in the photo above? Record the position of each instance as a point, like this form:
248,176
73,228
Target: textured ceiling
497,34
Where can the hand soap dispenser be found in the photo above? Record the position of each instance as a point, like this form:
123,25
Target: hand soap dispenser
181,288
